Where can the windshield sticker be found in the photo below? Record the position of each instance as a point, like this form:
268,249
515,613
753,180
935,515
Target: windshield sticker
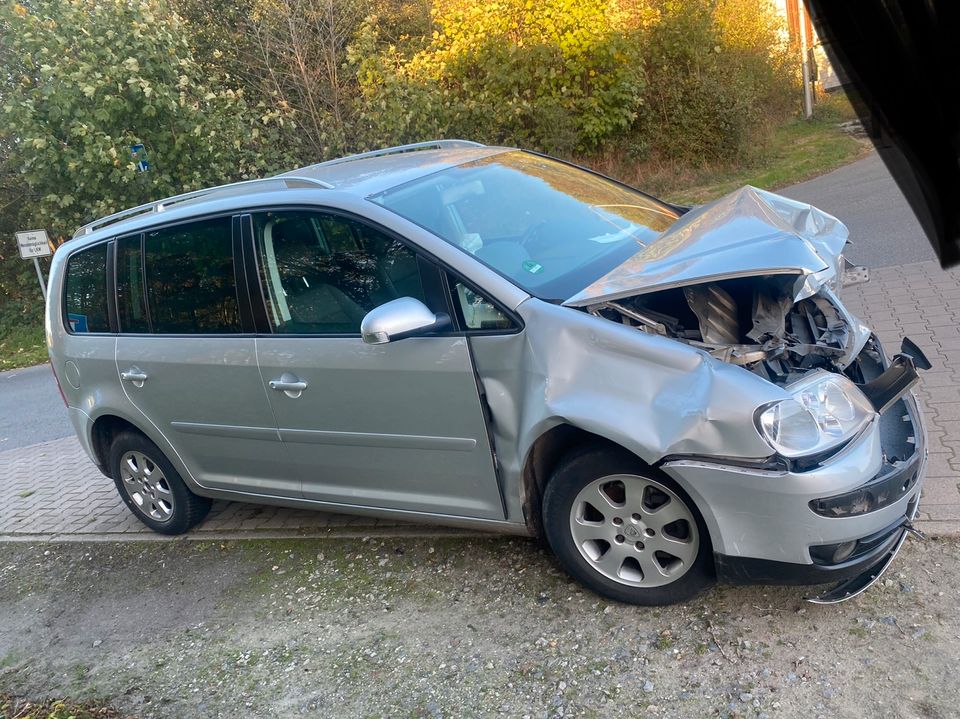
532,267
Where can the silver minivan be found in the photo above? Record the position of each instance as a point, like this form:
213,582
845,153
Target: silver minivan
486,337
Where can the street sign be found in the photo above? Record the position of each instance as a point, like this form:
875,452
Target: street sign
139,154
33,243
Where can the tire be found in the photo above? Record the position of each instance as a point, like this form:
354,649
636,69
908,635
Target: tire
626,531
151,487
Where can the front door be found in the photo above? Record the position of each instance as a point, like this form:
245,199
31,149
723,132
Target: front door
185,362
395,426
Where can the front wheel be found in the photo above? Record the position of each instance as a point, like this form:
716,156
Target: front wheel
151,487
626,531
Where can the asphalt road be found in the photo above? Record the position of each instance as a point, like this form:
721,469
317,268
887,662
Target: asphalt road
863,195
31,410
883,229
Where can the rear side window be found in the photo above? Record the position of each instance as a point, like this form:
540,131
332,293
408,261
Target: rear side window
131,303
85,292
191,287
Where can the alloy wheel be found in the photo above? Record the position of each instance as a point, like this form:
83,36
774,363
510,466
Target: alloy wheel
146,485
634,530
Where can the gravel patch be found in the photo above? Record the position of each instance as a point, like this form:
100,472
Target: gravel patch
456,628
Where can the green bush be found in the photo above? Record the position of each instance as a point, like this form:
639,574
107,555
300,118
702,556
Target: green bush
80,82
84,80
718,76
691,80
287,82
549,75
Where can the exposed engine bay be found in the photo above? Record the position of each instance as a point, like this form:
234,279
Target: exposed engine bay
755,323
752,322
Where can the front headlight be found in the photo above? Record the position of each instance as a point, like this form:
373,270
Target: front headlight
825,410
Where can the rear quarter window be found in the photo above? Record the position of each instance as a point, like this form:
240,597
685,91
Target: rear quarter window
85,291
190,283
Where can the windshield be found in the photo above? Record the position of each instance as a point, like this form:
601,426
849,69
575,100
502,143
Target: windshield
551,228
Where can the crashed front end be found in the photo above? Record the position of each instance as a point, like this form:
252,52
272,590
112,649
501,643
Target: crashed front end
753,281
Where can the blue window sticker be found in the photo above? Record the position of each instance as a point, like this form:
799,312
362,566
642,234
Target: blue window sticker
532,267
78,323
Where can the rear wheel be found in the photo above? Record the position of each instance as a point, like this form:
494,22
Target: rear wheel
151,487
624,530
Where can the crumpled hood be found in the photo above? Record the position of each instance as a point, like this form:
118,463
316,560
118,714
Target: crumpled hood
748,232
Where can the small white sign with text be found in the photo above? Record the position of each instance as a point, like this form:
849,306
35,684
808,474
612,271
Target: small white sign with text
33,243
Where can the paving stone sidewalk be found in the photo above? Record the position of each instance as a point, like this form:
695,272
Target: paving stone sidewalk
922,302
52,490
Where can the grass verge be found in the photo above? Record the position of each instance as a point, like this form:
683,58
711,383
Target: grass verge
22,347
795,151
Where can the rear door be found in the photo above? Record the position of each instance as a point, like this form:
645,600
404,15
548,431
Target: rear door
395,426
186,355
89,343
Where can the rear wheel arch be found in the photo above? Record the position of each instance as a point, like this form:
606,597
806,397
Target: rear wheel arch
105,428
151,486
108,426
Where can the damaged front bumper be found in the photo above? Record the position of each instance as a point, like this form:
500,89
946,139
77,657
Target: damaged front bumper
840,520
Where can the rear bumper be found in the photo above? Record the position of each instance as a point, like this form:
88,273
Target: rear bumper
83,426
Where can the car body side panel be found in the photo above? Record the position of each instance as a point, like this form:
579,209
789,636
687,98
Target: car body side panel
397,425
501,365
216,414
651,395
98,392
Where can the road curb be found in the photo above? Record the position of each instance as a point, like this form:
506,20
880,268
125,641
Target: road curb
939,530
254,535
932,529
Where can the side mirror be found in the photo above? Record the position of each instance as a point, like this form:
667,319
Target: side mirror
400,318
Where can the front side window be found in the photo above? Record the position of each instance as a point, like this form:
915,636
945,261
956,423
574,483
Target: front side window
190,282
322,273
550,228
478,312
85,292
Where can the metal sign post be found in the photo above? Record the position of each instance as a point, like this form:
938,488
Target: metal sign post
34,244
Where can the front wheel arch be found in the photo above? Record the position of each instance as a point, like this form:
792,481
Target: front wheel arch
543,457
550,449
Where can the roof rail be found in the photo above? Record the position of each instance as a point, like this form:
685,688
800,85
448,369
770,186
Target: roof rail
161,205
400,149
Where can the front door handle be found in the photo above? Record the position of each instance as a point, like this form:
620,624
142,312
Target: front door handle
289,384
135,375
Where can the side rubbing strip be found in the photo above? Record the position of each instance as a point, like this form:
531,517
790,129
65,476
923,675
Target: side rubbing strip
365,439
226,430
